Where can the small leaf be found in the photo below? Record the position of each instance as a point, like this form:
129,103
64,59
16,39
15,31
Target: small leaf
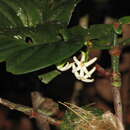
124,20
101,35
47,77
101,32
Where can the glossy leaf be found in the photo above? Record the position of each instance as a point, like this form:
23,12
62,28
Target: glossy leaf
62,10
47,77
9,14
56,10
47,47
41,56
73,33
24,11
101,32
10,46
33,34
100,35
34,12
40,34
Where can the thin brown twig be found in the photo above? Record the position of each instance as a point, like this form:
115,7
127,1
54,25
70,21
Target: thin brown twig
102,71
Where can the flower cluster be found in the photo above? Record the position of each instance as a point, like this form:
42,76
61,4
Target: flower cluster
79,68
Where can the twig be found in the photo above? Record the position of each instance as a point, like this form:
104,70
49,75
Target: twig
29,111
102,71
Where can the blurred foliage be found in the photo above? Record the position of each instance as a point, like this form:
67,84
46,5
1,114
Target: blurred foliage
88,118
75,115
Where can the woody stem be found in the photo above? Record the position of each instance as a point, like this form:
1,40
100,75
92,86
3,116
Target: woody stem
116,80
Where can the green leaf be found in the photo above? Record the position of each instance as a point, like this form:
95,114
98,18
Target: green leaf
26,11
101,31
46,33
33,12
101,35
47,77
47,47
124,20
51,42
101,44
62,10
74,33
40,56
9,14
9,46
56,10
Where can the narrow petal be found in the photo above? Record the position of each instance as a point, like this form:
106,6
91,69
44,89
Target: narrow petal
65,67
92,70
74,68
88,80
86,72
81,73
90,62
83,56
77,75
76,60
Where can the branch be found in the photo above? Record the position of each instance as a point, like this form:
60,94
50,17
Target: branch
29,111
102,71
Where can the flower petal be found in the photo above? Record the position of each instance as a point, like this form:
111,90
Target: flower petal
76,60
65,67
92,70
83,56
74,68
86,72
90,62
87,80
81,73
77,75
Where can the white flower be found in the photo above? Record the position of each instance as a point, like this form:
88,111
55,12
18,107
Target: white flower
79,68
